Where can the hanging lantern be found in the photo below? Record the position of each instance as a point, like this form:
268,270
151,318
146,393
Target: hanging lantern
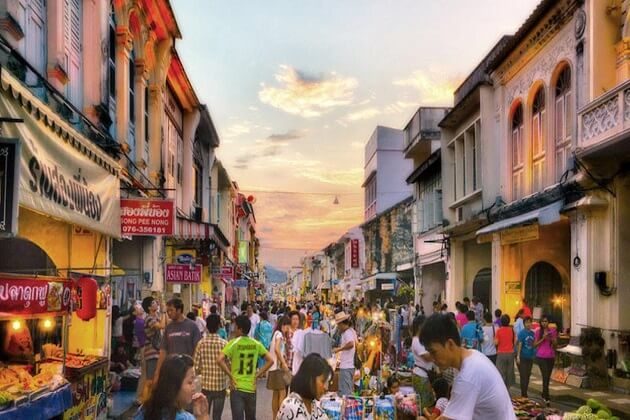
87,295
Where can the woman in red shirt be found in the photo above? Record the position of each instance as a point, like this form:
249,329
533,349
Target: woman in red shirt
504,340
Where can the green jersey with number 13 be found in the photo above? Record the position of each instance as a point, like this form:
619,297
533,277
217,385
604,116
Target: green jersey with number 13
243,353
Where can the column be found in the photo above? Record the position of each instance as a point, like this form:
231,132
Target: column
497,274
191,120
140,90
156,111
455,274
123,50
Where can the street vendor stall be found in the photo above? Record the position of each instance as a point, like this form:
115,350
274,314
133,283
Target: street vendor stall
53,346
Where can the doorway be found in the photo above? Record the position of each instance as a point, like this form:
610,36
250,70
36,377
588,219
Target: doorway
482,287
544,288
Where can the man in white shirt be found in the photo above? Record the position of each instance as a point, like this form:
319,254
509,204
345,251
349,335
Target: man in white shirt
478,390
346,353
253,318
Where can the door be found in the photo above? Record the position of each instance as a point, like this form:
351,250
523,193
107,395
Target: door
543,288
482,287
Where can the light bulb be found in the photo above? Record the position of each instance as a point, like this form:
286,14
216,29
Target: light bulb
16,325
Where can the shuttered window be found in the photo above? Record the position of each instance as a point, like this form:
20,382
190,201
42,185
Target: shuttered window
562,121
72,50
517,153
538,141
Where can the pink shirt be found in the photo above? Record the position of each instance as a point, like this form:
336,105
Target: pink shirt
461,319
545,349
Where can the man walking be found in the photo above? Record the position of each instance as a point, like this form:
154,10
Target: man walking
478,390
346,352
180,336
243,353
213,378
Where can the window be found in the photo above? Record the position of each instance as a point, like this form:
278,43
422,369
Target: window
111,59
72,50
34,36
517,152
538,140
562,129
146,115
197,183
132,90
430,203
467,156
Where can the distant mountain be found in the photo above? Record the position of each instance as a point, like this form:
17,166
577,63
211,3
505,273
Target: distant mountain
274,275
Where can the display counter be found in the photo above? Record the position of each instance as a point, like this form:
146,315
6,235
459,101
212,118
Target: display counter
41,406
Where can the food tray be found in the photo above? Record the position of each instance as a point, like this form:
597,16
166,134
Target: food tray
73,373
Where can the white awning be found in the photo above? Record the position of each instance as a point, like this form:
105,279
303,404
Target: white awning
544,216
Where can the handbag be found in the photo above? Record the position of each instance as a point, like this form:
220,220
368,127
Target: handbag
278,379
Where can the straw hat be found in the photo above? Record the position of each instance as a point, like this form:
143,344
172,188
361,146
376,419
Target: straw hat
341,316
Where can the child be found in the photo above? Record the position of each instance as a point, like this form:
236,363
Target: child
442,392
393,386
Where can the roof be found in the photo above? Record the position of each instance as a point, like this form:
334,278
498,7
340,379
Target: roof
206,130
543,7
428,167
180,83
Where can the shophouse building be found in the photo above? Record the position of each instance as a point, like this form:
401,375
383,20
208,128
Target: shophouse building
422,146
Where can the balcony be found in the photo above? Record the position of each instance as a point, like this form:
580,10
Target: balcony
421,130
605,121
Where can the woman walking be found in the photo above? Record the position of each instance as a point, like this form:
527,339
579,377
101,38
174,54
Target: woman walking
488,347
545,343
263,333
504,341
280,373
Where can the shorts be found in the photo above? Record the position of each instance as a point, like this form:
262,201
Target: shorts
150,365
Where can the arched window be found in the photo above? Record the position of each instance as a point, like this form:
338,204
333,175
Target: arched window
562,121
517,153
539,125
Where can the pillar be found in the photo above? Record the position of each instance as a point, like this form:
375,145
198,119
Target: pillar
124,46
140,94
191,121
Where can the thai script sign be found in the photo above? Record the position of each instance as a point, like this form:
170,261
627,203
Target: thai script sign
354,253
9,173
140,217
30,296
183,273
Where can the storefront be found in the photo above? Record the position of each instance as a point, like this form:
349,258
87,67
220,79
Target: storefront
68,213
533,257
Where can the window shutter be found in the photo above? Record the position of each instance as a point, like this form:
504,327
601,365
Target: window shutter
438,207
559,120
72,47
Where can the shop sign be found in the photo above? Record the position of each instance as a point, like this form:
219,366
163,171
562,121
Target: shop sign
513,287
9,179
227,273
183,273
519,234
354,253
30,296
243,252
58,180
147,217
240,283
387,286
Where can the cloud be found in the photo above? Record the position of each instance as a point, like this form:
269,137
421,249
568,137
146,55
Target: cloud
237,129
286,136
399,106
362,114
253,108
357,145
433,86
306,95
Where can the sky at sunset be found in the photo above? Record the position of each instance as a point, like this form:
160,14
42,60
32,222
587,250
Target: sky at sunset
296,88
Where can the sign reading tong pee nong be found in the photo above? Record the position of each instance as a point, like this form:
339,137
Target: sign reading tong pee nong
147,217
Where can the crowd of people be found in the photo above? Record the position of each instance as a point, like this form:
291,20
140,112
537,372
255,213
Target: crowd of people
462,363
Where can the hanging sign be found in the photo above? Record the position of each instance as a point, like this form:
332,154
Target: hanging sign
9,178
227,273
520,234
183,273
354,253
147,217
31,296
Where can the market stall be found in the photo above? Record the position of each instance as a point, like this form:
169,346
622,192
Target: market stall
53,345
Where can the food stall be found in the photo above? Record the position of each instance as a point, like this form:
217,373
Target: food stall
46,369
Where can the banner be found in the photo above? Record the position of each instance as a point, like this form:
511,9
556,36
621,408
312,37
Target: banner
183,273
227,274
30,296
9,174
354,253
56,178
147,217
243,252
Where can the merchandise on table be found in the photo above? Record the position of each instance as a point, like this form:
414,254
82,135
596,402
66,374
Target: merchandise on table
385,408
524,408
353,408
592,410
332,406
406,405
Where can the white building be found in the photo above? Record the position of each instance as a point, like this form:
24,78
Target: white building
385,171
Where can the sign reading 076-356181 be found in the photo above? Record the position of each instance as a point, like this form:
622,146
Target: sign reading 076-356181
9,173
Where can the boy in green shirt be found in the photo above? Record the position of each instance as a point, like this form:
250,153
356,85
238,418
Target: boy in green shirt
243,353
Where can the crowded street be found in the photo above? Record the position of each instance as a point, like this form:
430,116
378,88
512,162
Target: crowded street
314,210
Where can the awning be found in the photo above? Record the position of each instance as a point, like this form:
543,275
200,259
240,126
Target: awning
543,216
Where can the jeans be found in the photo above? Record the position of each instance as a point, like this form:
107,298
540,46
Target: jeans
546,367
346,384
525,371
216,400
243,405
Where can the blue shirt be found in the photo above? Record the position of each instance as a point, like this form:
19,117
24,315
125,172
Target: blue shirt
472,335
222,333
526,338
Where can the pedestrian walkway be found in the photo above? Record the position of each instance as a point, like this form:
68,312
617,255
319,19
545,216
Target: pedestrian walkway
618,403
